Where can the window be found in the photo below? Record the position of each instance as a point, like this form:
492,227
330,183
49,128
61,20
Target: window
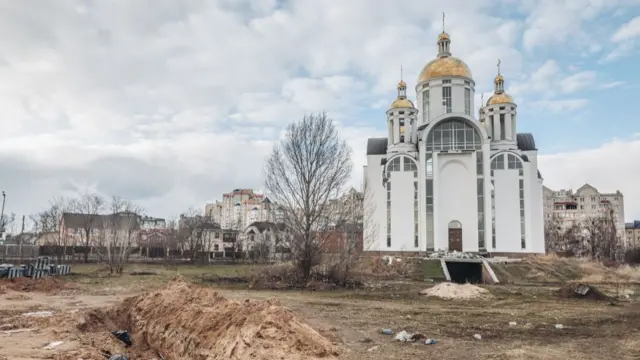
429,165
394,165
479,163
446,98
216,247
425,107
514,163
523,243
502,128
493,215
389,213
491,124
216,235
429,208
453,134
409,164
415,213
467,101
498,162
480,191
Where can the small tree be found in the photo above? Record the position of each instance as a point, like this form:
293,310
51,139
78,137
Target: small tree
305,170
120,229
190,232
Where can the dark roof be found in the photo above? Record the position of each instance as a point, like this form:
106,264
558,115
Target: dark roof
377,146
207,225
262,226
81,221
526,142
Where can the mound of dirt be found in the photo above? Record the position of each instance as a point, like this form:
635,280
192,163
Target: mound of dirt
580,291
46,285
452,291
184,321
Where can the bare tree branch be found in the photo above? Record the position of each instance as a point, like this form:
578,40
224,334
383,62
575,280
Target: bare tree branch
304,171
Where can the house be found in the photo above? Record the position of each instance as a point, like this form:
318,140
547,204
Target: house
74,227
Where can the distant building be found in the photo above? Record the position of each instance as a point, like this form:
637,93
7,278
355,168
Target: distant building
73,227
149,223
240,208
632,231
571,207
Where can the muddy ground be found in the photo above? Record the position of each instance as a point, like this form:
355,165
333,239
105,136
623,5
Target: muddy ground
353,319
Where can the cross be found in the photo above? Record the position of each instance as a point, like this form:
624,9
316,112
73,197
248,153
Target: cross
481,99
442,21
400,72
498,66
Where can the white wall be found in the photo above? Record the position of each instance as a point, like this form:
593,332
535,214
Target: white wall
455,199
507,208
402,220
377,222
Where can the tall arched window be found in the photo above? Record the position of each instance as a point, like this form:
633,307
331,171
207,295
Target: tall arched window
453,134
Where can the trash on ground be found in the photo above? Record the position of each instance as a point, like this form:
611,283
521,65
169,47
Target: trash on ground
373,348
430,342
478,336
559,326
407,337
53,345
513,323
39,314
8,332
582,291
386,331
107,354
123,336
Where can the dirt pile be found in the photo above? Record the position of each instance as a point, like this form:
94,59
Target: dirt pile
452,291
580,291
184,321
47,285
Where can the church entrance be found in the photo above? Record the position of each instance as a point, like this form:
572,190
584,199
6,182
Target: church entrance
455,236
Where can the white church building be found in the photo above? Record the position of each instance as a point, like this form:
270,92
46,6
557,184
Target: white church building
444,180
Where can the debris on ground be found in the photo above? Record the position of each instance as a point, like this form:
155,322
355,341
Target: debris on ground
478,336
513,323
404,336
39,314
452,291
123,336
386,331
430,342
53,345
443,254
183,321
107,354
559,326
582,291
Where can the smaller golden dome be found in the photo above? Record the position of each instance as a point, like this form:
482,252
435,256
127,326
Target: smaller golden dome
402,84
402,103
498,78
443,36
502,98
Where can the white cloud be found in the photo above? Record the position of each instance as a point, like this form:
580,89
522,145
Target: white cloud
625,38
578,81
559,106
609,167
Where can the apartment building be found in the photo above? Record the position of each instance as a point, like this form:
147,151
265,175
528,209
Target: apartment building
570,207
241,207
632,230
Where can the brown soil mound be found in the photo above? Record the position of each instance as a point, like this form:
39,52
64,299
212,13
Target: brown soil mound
47,285
569,292
184,321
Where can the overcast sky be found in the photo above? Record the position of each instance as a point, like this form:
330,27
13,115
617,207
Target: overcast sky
171,103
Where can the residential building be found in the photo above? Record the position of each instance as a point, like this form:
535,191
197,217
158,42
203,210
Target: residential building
150,223
265,232
573,207
74,226
240,208
443,179
632,235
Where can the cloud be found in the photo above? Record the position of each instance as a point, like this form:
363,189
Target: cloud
559,106
597,166
625,38
173,103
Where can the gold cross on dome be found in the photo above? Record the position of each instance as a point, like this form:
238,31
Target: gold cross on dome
498,66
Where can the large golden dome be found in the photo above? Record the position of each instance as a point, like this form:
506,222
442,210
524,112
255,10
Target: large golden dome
502,98
444,67
402,103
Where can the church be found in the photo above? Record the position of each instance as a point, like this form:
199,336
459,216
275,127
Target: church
444,180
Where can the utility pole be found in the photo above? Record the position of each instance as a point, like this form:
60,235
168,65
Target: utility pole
4,197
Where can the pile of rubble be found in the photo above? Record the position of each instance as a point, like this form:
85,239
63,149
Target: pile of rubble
442,254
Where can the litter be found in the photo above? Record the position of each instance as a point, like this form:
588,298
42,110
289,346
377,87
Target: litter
386,331
407,337
430,342
53,345
559,326
39,314
373,348
107,354
513,323
123,336
478,336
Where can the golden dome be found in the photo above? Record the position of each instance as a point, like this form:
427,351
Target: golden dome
444,66
502,98
402,84
402,103
443,36
498,78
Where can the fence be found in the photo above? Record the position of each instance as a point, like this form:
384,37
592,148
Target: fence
76,254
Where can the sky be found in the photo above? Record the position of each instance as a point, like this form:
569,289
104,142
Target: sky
172,103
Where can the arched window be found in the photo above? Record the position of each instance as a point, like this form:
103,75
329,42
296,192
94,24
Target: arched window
394,165
454,134
410,164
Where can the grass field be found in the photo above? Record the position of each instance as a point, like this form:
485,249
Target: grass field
352,319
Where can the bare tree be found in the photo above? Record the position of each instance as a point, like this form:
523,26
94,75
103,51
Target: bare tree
190,232
120,229
310,166
48,222
601,238
88,206
553,235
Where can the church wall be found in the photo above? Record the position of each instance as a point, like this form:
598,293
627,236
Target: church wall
534,205
456,199
507,208
402,221
376,223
